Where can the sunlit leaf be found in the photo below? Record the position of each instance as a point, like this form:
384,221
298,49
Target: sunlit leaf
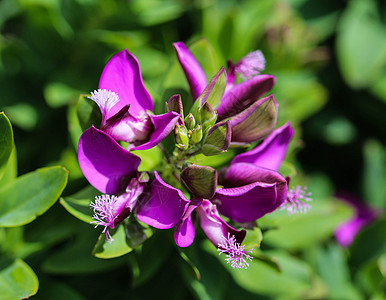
31,195
17,281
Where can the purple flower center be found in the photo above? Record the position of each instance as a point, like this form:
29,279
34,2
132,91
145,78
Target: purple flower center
296,200
236,255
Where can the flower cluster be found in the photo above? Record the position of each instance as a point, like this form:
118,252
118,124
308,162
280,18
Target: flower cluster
225,113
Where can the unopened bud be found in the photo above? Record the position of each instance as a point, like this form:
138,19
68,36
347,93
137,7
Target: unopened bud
196,135
181,136
190,121
217,139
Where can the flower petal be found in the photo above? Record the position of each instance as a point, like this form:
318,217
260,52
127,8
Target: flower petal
215,228
105,164
122,75
163,125
250,192
184,231
270,153
192,69
243,95
164,207
255,122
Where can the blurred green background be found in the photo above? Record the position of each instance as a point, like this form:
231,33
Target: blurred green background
329,58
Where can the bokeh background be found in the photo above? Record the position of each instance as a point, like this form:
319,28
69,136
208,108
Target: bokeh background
329,58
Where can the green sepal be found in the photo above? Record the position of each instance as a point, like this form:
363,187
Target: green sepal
181,136
217,140
200,180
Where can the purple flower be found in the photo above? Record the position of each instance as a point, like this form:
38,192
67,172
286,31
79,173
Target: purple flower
113,171
251,185
214,227
126,105
345,233
250,118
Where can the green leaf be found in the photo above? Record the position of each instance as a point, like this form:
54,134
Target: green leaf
75,256
374,174
298,231
31,195
6,142
144,264
58,94
23,115
150,158
332,266
253,238
88,112
79,204
214,90
370,243
295,279
360,43
17,281
205,54
116,248
127,236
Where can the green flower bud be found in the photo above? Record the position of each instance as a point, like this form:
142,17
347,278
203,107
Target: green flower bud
181,137
208,116
190,121
196,135
200,180
217,139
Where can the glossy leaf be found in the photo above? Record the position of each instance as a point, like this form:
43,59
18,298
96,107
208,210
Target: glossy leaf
88,113
117,248
6,142
18,281
79,204
31,195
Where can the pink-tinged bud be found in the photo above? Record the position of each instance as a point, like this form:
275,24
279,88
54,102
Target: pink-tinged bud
133,130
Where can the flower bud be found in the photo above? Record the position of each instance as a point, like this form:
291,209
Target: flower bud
181,136
200,180
190,121
196,135
175,104
207,116
217,139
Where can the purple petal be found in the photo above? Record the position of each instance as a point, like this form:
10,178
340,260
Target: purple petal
243,95
255,122
346,232
164,207
184,231
250,192
215,228
106,165
122,75
192,69
163,125
270,153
